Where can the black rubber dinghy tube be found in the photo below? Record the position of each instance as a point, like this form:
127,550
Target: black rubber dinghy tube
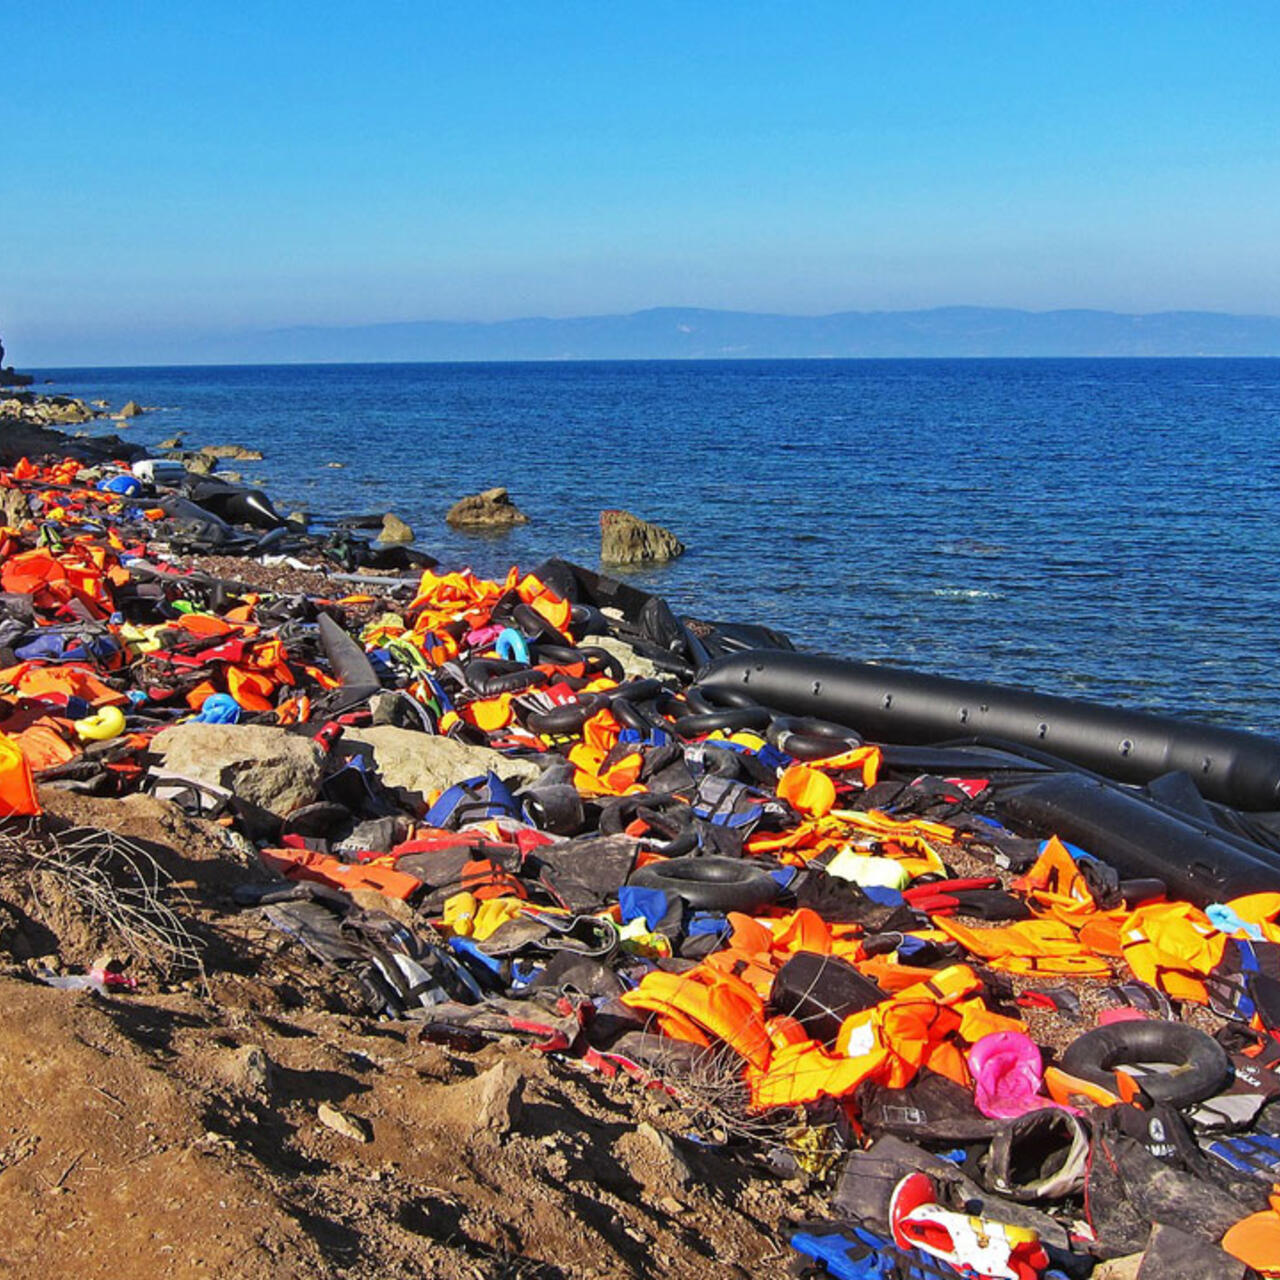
567,718
602,662
710,883
1200,1065
907,707
536,627
805,738
588,620
728,719
595,660
1140,839
640,718
490,677
725,697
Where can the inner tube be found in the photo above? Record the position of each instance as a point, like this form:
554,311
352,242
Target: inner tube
597,661
710,883
489,677
588,620
537,628
728,719
1200,1064
638,691
639,718
567,718
906,707
601,661
804,738
512,645
557,809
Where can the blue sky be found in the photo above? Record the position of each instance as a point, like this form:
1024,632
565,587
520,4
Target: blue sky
201,167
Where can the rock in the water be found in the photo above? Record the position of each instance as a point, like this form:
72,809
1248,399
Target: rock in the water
275,770
422,762
348,1126
237,451
491,509
131,410
101,404
626,539
394,529
199,464
173,442
64,410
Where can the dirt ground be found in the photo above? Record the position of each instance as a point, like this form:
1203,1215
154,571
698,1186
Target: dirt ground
176,1129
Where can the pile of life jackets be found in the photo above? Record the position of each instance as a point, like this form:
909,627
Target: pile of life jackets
758,914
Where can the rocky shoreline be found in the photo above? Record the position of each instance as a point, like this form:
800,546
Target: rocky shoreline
235,1115
363,917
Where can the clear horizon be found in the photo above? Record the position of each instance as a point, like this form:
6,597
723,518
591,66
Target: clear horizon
199,171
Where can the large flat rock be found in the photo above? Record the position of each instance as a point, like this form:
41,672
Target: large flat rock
268,767
423,762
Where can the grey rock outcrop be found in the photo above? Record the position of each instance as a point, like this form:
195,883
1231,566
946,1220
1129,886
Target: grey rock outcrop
626,539
492,509
199,464
131,410
275,770
236,451
43,411
421,762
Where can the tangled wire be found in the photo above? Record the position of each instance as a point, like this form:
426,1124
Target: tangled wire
115,881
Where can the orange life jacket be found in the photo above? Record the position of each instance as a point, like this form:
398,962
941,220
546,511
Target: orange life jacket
710,1002
306,864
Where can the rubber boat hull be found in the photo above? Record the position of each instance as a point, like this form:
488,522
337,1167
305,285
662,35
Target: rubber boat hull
892,706
1140,841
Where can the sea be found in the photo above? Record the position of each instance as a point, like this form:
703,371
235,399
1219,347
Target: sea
1100,529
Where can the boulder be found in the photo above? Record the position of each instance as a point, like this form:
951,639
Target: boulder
199,464
131,410
422,762
101,404
495,1099
15,511
653,1160
492,509
265,766
394,529
236,451
626,539
173,442
65,411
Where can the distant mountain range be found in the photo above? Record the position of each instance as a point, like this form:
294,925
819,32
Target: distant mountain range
689,333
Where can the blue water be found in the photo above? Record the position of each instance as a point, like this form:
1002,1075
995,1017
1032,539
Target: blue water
1106,529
